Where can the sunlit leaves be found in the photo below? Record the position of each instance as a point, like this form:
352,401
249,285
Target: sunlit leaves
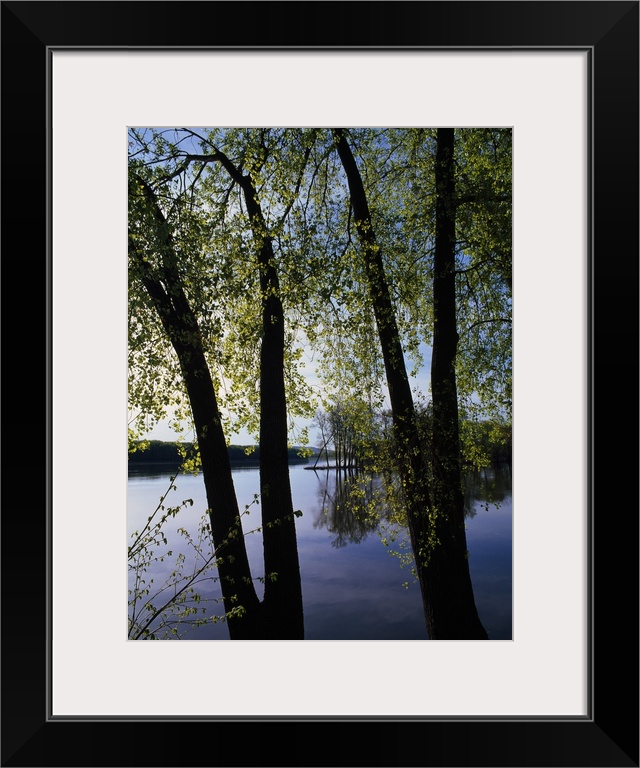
180,598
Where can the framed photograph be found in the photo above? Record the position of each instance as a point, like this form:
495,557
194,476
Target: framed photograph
563,76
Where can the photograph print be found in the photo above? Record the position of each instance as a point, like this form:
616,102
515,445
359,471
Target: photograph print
319,383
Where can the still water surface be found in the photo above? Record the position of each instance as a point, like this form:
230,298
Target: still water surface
354,587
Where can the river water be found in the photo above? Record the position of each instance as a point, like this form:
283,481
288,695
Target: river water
356,578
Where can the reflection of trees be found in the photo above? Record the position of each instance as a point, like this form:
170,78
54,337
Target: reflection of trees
350,428
353,504
489,486
350,506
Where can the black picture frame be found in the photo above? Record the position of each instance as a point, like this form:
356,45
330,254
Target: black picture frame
608,736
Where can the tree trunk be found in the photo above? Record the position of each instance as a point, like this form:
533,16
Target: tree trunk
412,469
283,608
181,325
235,573
439,585
449,586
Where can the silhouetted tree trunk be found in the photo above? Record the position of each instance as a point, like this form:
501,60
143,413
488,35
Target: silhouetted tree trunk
181,325
450,593
283,608
443,614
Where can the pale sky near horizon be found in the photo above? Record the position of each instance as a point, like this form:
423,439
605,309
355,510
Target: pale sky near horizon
419,384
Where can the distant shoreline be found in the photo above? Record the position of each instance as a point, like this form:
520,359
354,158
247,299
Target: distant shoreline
166,454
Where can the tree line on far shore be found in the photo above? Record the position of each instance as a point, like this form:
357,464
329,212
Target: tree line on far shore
483,443
174,453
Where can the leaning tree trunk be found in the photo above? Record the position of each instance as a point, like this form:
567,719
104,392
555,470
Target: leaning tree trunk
181,325
405,430
228,537
439,602
450,592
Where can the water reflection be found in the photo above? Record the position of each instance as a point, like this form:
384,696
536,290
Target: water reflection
485,488
352,504
348,506
352,583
